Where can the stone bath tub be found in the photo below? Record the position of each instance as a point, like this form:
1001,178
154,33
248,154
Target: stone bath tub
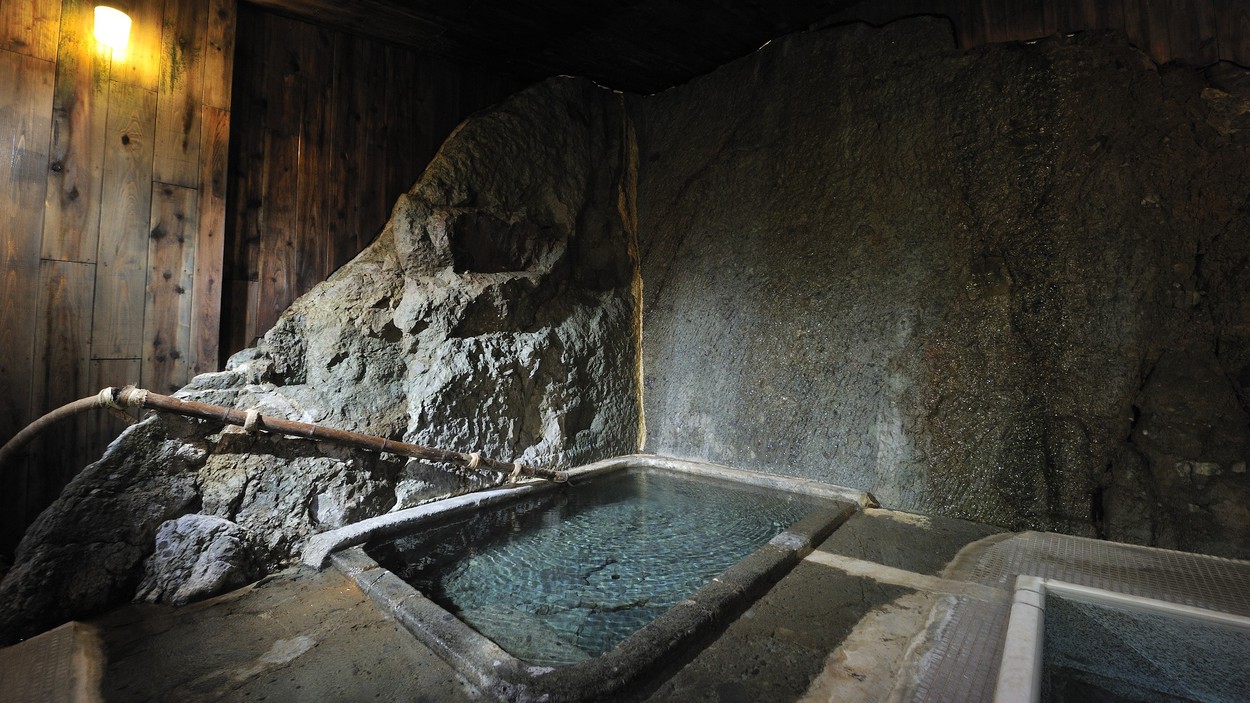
695,616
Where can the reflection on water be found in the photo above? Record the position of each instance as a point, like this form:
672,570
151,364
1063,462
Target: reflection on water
569,575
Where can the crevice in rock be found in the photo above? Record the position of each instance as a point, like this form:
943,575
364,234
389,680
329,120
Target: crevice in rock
1096,508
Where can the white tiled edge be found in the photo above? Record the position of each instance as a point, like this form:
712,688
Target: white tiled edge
1019,674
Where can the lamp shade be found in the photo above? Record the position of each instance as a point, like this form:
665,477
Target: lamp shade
112,26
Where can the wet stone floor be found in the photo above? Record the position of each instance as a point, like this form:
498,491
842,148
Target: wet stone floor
835,628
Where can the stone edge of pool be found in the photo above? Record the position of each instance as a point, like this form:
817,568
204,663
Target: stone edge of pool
319,547
646,651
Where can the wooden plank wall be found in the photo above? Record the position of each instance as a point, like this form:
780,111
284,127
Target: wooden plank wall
1196,32
329,129
112,194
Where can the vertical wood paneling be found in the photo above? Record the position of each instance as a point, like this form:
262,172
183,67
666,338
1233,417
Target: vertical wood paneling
350,135
328,130
1050,17
246,186
971,20
372,183
1024,19
29,27
26,86
1115,14
177,148
401,113
103,427
171,263
1157,14
62,342
311,263
210,244
1233,30
286,57
1072,16
78,130
71,226
1089,15
427,109
140,65
219,53
117,322
451,91
1191,31
1137,26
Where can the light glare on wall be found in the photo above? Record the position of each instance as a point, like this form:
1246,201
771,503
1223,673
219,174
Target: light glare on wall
112,28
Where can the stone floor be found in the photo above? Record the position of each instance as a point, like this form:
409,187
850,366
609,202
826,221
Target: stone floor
836,627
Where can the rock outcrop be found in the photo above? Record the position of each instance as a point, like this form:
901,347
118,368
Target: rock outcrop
495,313
1007,284
197,556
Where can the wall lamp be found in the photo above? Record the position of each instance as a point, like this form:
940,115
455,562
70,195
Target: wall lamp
112,25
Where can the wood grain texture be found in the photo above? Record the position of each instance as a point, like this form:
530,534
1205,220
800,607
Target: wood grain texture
350,135
79,129
251,304
1137,23
287,58
1157,14
247,150
372,183
401,113
183,39
329,129
1050,16
103,427
210,244
1232,30
26,86
71,225
62,345
29,27
219,53
1191,32
971,20
122,258
312,262
171,264
140,64
1089,15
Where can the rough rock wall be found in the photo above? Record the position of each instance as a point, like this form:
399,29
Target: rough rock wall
495,313
1007,284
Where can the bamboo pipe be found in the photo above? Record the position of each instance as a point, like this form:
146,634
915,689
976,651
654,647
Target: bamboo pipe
253,421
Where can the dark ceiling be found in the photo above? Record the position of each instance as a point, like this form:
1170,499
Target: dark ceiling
640,46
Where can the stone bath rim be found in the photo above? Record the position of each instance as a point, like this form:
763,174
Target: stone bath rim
499,674
319,547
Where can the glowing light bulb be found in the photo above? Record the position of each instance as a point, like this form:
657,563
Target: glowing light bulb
112,28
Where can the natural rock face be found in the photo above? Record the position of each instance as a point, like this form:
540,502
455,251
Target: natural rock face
197,556
1007,284
495,313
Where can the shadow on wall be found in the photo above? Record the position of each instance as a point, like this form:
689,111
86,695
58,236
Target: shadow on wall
1007,284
